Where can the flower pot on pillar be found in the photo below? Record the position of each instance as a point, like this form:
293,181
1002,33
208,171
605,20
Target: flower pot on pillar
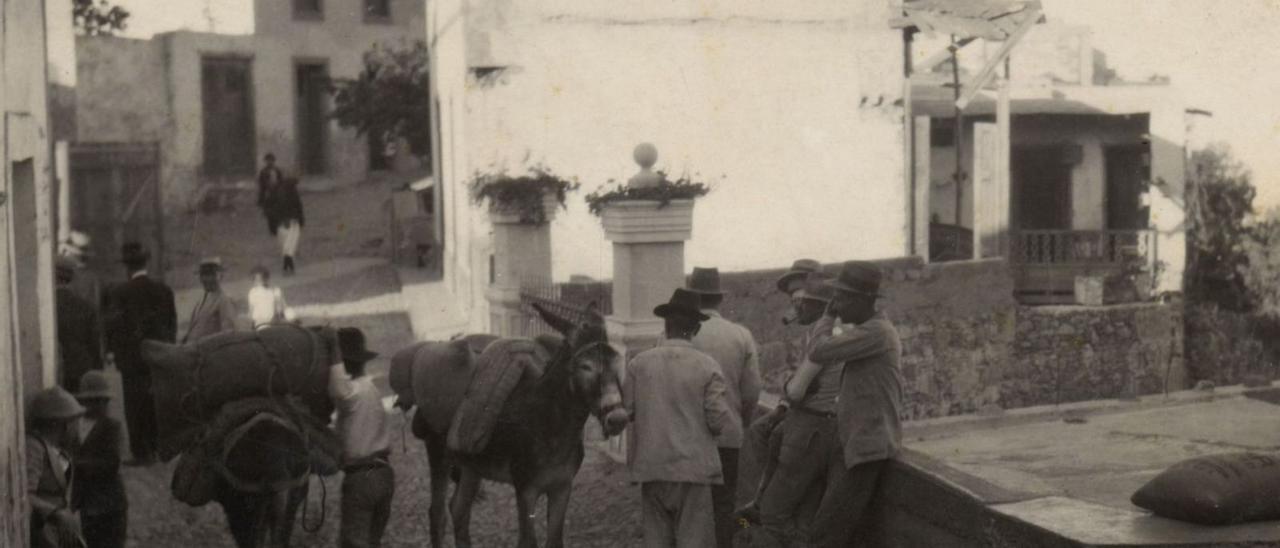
648,264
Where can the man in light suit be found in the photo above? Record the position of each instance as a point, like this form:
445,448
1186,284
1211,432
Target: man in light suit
215,313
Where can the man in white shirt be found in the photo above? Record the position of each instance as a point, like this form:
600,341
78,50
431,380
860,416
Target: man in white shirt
368,481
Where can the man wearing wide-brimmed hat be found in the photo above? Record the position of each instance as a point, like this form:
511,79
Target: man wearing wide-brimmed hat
368,481
50,434
79,335
787,486
791,283
140,308
98,492
215,313
733,347
675,396
865,347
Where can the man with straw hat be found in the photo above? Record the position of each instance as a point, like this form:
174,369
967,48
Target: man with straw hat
215,313
51,432
675,397
732,346
98,493
865,347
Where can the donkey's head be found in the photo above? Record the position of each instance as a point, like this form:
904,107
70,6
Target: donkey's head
592,364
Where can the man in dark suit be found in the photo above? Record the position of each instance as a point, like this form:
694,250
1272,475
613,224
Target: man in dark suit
79,341
141,308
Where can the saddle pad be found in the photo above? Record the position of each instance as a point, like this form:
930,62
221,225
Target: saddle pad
194,482
498,372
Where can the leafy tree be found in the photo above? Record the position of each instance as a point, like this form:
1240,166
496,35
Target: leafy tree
1262,276
1220,205
98,17
390,98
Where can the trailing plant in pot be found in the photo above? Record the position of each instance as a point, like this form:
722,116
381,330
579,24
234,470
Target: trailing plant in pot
527,196
664,192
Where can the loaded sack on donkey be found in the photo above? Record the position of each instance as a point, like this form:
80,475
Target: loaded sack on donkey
461,386
250,406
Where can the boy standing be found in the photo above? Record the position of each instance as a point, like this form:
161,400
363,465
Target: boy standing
97,490
368,481
675,396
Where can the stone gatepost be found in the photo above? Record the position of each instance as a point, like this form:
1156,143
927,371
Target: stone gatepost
648,264
521,255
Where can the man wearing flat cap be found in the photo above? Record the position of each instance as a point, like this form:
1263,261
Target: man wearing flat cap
732,346
675,397
141,308
865,348
215,313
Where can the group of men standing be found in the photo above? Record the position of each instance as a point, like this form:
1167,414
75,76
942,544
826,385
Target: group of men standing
803,474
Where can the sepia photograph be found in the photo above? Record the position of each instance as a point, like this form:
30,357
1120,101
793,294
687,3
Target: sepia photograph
655,274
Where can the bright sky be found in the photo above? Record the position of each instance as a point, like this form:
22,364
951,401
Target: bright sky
1222,55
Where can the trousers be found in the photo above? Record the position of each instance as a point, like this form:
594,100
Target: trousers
289,232
758,458
845,501
676,515
805,459
140,415
366,506
722,497
105,530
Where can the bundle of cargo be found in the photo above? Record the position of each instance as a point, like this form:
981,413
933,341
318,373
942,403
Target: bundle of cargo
255,445
192,382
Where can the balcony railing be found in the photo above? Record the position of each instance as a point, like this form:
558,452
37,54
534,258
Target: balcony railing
1083,247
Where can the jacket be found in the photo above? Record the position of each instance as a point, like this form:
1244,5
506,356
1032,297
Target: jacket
214,314
48,485
733,347
870,403
140,308
279,201
97,488
79,338
675,397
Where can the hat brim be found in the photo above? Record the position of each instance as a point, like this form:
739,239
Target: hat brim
94,395
850,289
805,295
705,292
362,356
789,277
667,310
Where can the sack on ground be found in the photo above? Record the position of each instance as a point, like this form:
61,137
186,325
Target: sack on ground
498,371
192,382
1216,490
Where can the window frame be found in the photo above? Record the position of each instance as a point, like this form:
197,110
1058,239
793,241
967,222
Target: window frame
375,18
307,15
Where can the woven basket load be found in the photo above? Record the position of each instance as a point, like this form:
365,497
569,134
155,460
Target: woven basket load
498,371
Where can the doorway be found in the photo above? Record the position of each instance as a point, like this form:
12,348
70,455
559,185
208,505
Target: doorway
1127,171
1041,193
312,80
226,85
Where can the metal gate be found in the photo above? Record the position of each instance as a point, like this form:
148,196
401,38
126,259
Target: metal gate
568,300
115,197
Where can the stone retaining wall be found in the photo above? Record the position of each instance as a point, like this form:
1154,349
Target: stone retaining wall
970,347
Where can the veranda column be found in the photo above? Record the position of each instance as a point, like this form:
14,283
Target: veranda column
521,254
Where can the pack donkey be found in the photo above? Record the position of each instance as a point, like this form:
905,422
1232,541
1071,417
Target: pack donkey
536,441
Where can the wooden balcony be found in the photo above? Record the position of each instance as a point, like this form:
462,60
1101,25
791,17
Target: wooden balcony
1046,262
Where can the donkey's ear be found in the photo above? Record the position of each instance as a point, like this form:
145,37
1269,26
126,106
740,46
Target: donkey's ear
565,327
593,316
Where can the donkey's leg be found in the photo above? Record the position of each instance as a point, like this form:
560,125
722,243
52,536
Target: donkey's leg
557,508
439,487
526,506
463,497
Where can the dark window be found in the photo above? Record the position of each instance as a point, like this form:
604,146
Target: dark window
313,116
377,9
227,97
308,9
942,133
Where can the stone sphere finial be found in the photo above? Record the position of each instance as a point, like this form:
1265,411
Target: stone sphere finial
645,155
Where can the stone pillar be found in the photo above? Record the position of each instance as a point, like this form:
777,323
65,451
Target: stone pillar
521,255
648,264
